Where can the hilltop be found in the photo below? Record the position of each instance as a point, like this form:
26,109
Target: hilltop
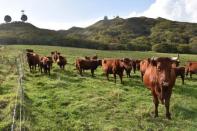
137,33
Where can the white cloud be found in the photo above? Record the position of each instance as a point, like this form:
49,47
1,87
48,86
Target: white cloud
180,10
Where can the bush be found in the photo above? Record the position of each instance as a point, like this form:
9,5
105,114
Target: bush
138,47
183,48
165,48
193,48
116,46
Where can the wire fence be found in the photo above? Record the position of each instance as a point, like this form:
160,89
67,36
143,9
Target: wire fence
19,111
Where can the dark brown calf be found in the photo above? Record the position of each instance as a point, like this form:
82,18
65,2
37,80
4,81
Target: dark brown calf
136,65
33,60
82,64
180,71
127,66
61,61
45,64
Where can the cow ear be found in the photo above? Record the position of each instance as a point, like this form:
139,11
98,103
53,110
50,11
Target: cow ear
58,53
52,53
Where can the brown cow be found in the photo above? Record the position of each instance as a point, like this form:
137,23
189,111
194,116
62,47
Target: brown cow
191,68
82,64
113,66
160,78
61,61
128,66
33,60
180,71
136,65
143,66
50,61
55,56
45,64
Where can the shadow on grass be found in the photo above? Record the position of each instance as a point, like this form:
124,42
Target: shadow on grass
191,79
184,112
187,90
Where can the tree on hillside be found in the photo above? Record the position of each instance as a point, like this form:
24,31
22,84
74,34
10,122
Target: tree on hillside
7,19
23,17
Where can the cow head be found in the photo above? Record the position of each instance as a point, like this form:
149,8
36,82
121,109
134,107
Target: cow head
127,63
46,62
99,62
163,69
55,55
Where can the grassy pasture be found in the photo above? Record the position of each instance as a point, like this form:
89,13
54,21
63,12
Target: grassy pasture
67,101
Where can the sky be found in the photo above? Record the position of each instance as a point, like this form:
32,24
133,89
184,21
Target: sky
64,14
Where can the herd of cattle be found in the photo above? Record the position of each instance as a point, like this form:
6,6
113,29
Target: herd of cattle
158,73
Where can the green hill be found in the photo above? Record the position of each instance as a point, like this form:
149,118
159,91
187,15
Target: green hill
141,33
137,33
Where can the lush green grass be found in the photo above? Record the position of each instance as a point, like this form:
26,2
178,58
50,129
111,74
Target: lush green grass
8,86
67,101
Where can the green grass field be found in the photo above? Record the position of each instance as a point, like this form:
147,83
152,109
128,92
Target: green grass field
67,101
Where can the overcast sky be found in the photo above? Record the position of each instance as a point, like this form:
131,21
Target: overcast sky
63,14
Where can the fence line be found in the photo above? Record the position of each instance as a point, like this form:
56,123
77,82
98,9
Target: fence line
19,94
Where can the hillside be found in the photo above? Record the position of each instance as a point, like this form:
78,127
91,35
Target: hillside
138,33
19,32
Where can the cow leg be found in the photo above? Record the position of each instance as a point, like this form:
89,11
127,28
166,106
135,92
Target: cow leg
49,71
182,77
142,75
115,77
80,71
134,69
29,68
41,69
156,102
167,105
120,75
107,75
129,74
92,72
190,75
